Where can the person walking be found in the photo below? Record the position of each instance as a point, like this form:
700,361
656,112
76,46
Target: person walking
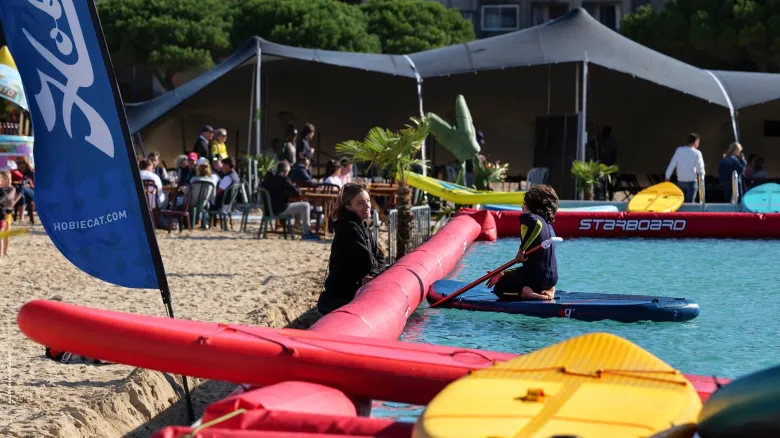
689,164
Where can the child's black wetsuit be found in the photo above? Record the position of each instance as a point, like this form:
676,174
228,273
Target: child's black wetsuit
540,271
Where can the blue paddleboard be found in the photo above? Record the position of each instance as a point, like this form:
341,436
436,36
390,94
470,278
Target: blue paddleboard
762,199
584,306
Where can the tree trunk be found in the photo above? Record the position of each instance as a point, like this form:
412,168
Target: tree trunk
406,226
589,192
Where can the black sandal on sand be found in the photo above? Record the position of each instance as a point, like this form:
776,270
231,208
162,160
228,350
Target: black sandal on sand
71,358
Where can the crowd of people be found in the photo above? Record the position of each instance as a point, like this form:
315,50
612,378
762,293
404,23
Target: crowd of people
688,163
207,172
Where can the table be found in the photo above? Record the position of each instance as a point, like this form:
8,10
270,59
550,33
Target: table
388,190
324,200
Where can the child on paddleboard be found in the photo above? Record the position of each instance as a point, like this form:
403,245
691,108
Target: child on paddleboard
536,279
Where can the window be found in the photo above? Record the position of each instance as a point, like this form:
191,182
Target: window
500,17
606,13
544,13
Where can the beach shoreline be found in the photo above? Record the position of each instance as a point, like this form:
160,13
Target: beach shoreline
216,276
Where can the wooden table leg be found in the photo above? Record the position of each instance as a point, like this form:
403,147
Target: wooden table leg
382,216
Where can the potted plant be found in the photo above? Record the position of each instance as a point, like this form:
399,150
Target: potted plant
394,152
489,173
591,173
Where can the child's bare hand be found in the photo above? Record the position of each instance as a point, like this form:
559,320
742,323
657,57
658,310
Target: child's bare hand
494,279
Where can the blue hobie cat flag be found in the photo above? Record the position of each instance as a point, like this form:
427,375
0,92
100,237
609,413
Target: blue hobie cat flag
88,191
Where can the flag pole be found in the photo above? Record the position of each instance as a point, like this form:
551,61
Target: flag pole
151,238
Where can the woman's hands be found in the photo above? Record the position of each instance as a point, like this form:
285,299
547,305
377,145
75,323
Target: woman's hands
520,257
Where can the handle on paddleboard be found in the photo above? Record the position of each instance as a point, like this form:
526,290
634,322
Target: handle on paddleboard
546,244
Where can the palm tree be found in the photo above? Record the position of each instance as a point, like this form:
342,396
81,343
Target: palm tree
394,152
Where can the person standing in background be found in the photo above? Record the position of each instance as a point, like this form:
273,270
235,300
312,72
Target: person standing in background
304,143
689,163
287,152
218,148
733,161
201,147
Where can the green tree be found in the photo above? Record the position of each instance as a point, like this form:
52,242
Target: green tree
406,26
168,36
315,24
724,34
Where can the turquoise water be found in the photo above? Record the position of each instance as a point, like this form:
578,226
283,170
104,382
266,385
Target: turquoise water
736,283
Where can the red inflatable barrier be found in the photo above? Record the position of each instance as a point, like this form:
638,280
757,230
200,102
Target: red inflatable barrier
382,306
211,432
281,421
622,224
301,397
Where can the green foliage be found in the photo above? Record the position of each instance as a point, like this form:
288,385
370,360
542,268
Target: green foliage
406,26
730,34
391,151
265,163
168,36
591,172
489,173
318,24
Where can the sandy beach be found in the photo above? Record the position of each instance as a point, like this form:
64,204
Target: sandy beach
219,276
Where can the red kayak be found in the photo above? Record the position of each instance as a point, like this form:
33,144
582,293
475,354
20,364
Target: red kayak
360,367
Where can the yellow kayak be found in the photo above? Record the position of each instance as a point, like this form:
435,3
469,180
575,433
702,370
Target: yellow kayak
664,198
594,385
460,194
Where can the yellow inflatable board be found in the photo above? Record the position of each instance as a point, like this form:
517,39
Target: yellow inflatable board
594,385
462,195
664,198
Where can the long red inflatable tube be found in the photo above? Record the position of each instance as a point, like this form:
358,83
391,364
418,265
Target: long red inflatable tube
213,432
623,224
360,367
282,421
290,396
382,306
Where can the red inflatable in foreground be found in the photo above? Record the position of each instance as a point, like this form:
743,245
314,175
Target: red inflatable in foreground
360,367
622,224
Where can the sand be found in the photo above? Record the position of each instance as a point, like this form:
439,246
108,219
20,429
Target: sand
214,275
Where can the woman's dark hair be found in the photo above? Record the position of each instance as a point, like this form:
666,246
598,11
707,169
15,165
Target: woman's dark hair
347,194
330,167
307,128
542,200
344,162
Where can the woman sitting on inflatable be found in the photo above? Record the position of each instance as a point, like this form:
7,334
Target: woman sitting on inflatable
536,279
355,257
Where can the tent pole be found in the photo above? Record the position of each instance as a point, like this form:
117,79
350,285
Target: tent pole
420,103
732,112
584,108
257,100
251,111
577,88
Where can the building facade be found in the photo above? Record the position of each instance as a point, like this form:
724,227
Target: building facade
495,17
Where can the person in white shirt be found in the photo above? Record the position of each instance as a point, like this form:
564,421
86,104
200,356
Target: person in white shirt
147,174
333,170
689,164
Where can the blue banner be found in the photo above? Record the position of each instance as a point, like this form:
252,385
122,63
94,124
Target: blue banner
88,191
